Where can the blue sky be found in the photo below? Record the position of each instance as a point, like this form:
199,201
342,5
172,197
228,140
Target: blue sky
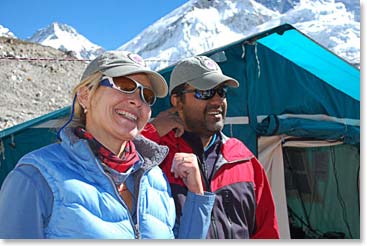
108,23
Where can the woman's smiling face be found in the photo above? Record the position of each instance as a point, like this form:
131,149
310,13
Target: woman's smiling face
114,117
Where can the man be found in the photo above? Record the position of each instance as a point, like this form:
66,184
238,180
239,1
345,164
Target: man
244,206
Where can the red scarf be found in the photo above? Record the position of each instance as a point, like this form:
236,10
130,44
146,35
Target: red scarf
128,158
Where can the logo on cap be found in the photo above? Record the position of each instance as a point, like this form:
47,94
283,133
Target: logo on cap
209,64
137,59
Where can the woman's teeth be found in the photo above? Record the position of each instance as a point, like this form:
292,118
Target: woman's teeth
127,115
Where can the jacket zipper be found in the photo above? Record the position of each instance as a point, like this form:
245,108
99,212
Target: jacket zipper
227,202
135,227
214,226
230,227
203,172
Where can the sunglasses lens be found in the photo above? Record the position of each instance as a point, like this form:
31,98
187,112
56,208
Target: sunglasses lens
204,95
125,84
222,92
149,96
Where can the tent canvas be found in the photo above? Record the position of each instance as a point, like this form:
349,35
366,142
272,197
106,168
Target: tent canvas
297,108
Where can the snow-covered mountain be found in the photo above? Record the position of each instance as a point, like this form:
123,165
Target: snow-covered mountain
5,32
196,27
283,6
327,22
66,38
201,25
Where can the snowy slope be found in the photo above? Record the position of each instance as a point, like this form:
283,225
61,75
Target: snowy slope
327,22
196,27
201,25
66,38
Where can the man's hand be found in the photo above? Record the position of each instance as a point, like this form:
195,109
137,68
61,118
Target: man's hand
186,167
168,120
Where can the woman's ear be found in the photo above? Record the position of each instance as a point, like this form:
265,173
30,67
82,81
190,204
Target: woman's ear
83,97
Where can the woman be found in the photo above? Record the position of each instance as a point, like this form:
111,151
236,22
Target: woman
102,180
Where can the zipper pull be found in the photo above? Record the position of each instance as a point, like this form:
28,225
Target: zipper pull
137,232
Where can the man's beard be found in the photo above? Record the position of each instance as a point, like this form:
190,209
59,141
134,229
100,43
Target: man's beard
204,127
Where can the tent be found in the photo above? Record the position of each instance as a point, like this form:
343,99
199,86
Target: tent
297,108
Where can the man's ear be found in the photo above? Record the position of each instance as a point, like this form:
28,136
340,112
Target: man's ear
83,97
173,99
176,102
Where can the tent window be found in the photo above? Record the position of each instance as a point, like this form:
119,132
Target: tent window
303,169
322,189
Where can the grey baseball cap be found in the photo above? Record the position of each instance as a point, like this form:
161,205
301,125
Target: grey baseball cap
200,72
120,63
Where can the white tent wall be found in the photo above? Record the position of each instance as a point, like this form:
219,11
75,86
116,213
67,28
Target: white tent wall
271,157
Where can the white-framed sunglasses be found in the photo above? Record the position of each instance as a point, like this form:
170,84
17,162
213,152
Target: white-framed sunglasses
128,85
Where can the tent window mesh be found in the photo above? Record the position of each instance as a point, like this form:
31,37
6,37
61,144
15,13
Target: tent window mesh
322,189
303,169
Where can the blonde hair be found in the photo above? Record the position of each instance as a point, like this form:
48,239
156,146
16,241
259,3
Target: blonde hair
92,83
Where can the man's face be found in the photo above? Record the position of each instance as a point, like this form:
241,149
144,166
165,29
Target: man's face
204,117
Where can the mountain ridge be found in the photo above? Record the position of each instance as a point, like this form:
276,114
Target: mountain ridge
66,38
314,18
200,25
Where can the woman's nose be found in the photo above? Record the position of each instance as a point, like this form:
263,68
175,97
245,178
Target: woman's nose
134,98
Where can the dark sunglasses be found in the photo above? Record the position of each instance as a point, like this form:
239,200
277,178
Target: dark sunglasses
207,94
128,85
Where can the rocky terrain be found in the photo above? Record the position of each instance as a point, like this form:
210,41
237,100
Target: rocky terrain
34,80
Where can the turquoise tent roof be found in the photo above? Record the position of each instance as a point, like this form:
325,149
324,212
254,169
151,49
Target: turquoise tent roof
311,56
63,112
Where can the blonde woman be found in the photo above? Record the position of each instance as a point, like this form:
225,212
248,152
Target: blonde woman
103,179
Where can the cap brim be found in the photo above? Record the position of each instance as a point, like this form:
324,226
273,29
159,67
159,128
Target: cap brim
159,84
212,80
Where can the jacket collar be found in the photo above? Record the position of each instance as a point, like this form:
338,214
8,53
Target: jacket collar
150,152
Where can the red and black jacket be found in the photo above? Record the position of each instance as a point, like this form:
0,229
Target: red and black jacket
244,205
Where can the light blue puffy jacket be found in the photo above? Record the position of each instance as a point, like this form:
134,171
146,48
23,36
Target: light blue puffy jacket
86,203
